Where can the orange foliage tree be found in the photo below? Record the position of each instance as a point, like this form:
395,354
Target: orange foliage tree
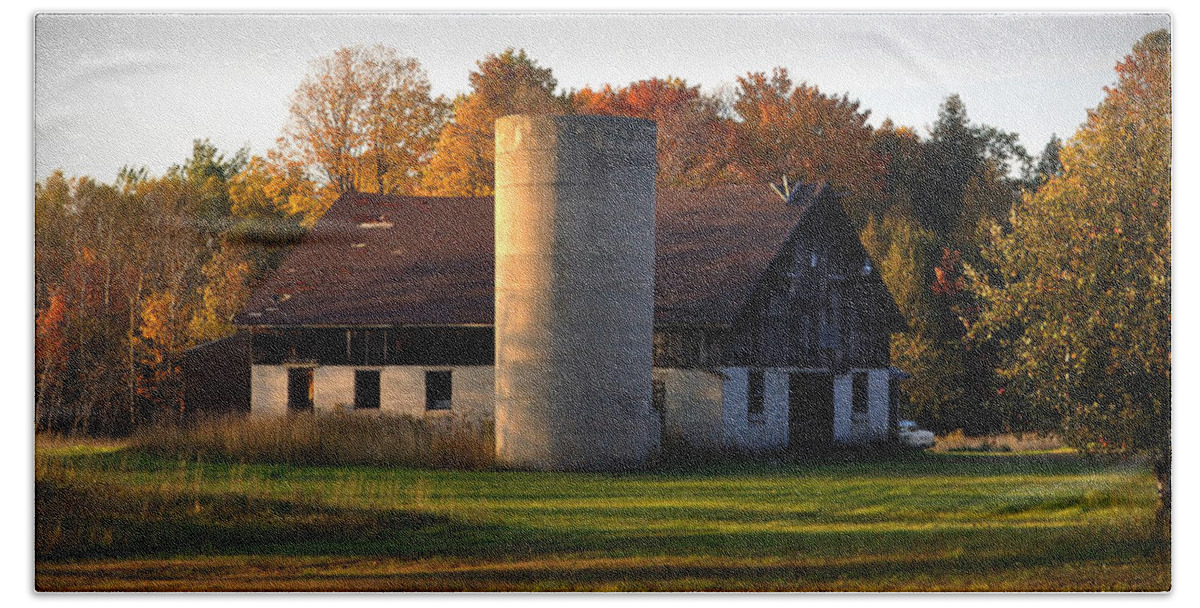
365,120
463,162
692,133
800,132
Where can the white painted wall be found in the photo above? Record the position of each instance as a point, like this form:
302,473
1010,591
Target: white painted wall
704,409
333,388
472,392
268,390
766,434
402,391
692,410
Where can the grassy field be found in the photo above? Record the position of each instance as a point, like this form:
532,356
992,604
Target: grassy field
110,518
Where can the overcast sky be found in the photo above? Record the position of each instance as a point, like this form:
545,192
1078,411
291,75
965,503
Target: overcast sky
136,89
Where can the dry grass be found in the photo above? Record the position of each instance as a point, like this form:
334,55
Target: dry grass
957,441
328,439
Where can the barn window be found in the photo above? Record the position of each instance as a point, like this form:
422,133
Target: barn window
300,389
859,403
366,389
754,396
437,390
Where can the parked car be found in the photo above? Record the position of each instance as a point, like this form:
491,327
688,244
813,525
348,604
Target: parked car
912,436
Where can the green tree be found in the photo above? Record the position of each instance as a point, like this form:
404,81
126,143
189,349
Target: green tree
463,162
1048,165
902,250
206,175
128,276
966,176
1080,291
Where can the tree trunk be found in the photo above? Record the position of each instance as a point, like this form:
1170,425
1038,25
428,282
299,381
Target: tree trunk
1162,474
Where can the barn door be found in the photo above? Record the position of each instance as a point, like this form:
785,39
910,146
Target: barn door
810,411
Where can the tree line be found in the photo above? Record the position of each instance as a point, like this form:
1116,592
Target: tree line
1036,287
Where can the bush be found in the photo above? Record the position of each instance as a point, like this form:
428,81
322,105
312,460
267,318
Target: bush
328,439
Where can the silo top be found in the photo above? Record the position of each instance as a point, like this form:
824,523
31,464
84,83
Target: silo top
604,134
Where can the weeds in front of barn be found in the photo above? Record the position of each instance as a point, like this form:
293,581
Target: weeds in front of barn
344,438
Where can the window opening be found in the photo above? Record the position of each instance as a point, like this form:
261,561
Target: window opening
437,390
366,389
754,396
859,401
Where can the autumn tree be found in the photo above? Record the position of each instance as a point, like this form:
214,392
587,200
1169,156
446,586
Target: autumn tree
1080,291
365,119
128,276
463,162
800,132
692,133
902,251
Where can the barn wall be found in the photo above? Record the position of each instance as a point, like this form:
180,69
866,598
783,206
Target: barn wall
473,392
692,408
401,390
861,428
818,304
217,377
268,390
762,435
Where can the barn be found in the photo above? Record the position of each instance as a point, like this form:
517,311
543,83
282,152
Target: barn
767,325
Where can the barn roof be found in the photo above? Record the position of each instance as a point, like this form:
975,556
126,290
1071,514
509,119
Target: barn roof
402,260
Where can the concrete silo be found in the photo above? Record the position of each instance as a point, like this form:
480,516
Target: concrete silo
574,291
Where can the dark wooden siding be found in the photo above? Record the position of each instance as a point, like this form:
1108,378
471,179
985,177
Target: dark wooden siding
818,304
217,377
691,346
374,346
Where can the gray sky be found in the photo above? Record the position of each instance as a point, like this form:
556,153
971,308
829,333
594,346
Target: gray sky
136,89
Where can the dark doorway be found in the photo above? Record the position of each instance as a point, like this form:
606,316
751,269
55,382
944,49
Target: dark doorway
810,411
300,389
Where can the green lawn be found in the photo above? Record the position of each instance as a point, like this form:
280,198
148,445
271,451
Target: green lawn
113,519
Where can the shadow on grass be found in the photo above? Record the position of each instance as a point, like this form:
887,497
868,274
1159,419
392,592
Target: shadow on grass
90,521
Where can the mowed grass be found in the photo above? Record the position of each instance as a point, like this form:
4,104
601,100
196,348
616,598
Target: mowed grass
111,520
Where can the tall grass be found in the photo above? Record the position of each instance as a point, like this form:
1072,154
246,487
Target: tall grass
328,439
957,441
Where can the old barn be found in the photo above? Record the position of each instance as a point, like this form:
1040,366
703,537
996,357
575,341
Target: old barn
770,324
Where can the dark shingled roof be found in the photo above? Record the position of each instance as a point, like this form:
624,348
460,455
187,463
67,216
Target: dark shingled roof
400,260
